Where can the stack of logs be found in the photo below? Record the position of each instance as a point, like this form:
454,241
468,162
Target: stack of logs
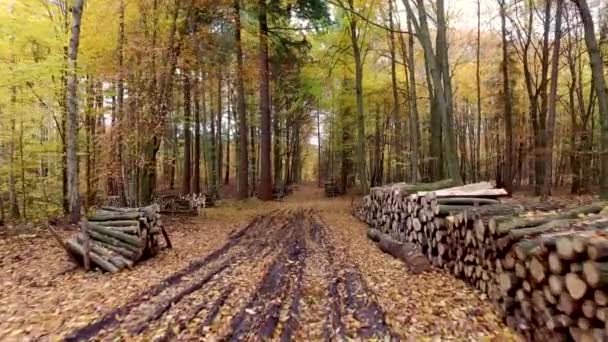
332,189
115,238
546,267
413,213
191,204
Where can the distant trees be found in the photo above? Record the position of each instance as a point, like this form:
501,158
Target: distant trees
191,96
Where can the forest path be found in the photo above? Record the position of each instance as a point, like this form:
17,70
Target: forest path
299,270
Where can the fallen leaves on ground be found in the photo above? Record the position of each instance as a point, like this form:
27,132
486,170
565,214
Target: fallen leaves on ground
43,298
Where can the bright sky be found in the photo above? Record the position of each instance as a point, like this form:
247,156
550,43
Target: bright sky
463,13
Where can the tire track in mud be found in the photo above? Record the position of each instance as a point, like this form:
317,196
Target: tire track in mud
113,319
279,254
348,294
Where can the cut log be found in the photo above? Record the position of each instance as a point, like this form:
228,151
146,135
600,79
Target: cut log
406,252
116,216
589,308
555,263
596,273
597,248
130,239
468,201
537,270
113,241
576,286
565,248
566,303
517,234
507,281
600,297
104,264
556,284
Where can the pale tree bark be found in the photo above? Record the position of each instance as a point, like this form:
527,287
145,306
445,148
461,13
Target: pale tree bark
355,37
550,126
507,169
265,189
424,37
196,176
398,136
477,164
187,135
441,50
72,101
12,179
599,86
220,140
319,173
118,184
410,69
243,171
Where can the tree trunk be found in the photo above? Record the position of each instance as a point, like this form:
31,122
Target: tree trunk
550,127
319,173
72,100
507,178
187,136
227,173
477,164
599,86
398,151
241,108
265,192
213,190
413,103
117,174
451,154
361,159
196,177
220,141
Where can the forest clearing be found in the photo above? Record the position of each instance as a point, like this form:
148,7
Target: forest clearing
303,170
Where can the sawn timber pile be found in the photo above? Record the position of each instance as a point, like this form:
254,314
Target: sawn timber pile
114,238
545,266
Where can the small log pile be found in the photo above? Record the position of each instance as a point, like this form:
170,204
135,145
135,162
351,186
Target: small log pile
116,238
189,205
332,189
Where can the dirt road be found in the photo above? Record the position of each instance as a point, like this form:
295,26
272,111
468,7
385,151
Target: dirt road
300,270
256,286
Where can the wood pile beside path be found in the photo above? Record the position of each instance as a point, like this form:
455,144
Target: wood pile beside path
115,238
545,267
189,205
332,189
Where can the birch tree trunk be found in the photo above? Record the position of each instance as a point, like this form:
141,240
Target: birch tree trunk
72,101
507,114
550,127
398,151
477,164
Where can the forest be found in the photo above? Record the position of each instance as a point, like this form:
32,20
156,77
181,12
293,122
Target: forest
307,170
201,96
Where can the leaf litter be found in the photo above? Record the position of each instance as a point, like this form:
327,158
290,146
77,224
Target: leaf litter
302,269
